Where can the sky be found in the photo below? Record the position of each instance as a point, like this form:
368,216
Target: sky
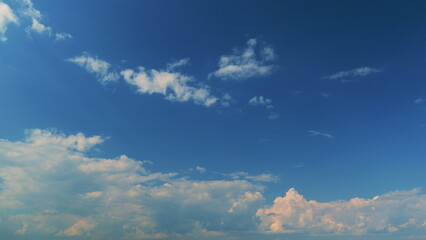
295,120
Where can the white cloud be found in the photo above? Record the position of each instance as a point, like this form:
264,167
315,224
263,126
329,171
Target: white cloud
259,101
200,169
357,72
62,36
6,17
265,102
96,66
29,11
316,133
399,211
252,62
176,64
50,186
173,85
40,28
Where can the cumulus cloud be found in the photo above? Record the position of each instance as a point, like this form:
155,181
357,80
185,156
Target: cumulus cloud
251,62
52,187
173,85
316,133
264,102
348,76
96,66
6,17
398,211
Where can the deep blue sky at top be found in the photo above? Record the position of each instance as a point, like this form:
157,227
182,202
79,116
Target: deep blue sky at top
379,133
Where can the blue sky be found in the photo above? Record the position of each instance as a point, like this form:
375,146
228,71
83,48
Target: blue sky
212,120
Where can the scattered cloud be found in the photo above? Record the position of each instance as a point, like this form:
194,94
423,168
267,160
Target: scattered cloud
27,13
200,169
51,186
62,36
6,17
316,133
350,75
173,85
260,101
251,62
39,28
264,102
398,211
96,66
176,64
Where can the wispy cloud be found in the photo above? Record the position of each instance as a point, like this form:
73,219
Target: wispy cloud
51,186
264,102
420,101
177,64
398,211
96,66
316,133
6,17
249,63
62,36
350,75
264,177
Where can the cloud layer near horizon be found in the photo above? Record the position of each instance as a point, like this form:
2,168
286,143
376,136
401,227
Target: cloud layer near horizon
51,187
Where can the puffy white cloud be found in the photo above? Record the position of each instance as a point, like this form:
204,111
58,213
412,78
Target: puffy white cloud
316,133
96,66
50,187
252,62
6,17
357,72
173,85
398,211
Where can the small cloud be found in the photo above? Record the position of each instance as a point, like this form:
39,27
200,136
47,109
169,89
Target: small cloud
259,101
325,94
200,169
252,62
6,17
348,76
94,65
179,63
39,28
420,101
316,133
62,36
264,102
